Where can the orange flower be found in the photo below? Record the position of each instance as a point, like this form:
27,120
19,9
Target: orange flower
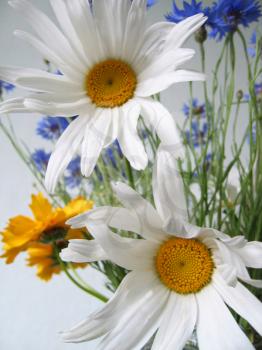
42,256
43,235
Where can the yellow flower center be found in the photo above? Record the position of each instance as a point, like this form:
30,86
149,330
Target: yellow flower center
184,265
111,83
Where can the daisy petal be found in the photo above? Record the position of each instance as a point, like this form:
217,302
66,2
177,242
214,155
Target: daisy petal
111,17
15,105
113,128
140,324
45,106
161,120
188,75
157,84
228,252
242,301
85,26
150,221
168,189
251,254
227,272
82,250
183,30
46,52
166,63
229,259
130,143
151,44
48,32
62,14
221,331
132,254
207,232
49,83
11,74
132,292
251,281
66,148
119,218
178,323
94,140
135,25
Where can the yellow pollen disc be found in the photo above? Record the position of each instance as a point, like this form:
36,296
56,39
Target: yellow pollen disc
111,83
184,265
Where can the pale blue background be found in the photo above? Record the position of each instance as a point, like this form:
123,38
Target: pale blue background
33,312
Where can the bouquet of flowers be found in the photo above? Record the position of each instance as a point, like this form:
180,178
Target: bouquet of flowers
170,213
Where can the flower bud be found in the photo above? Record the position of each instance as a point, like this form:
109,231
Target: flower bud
201,35
61,244
239,95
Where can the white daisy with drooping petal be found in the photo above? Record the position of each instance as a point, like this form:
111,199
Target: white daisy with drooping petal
111,64
181,278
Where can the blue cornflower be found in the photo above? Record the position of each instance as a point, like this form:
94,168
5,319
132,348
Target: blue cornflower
258,92
226,15
109,157
254,134
208,161
252,42
189,9
209,157
51,128
98,173
110,154
253,38
198,135
198,109
151,3
73,176
40,159
58,72
6,86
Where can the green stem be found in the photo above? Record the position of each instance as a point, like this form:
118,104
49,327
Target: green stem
203,64
250,77
210,135
89,290
253,107
217,67
230,96
235,124
130,174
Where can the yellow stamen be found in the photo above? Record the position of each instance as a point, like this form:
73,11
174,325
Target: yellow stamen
184,265
111,83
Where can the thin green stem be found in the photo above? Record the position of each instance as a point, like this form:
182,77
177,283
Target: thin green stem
130,174
89,290
230,96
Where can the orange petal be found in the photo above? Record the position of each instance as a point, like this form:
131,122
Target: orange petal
41,208
77,206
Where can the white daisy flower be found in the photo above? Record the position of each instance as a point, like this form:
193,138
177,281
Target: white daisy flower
181,278
111,64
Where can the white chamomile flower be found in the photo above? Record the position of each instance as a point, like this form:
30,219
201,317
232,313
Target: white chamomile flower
181,277
111,64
